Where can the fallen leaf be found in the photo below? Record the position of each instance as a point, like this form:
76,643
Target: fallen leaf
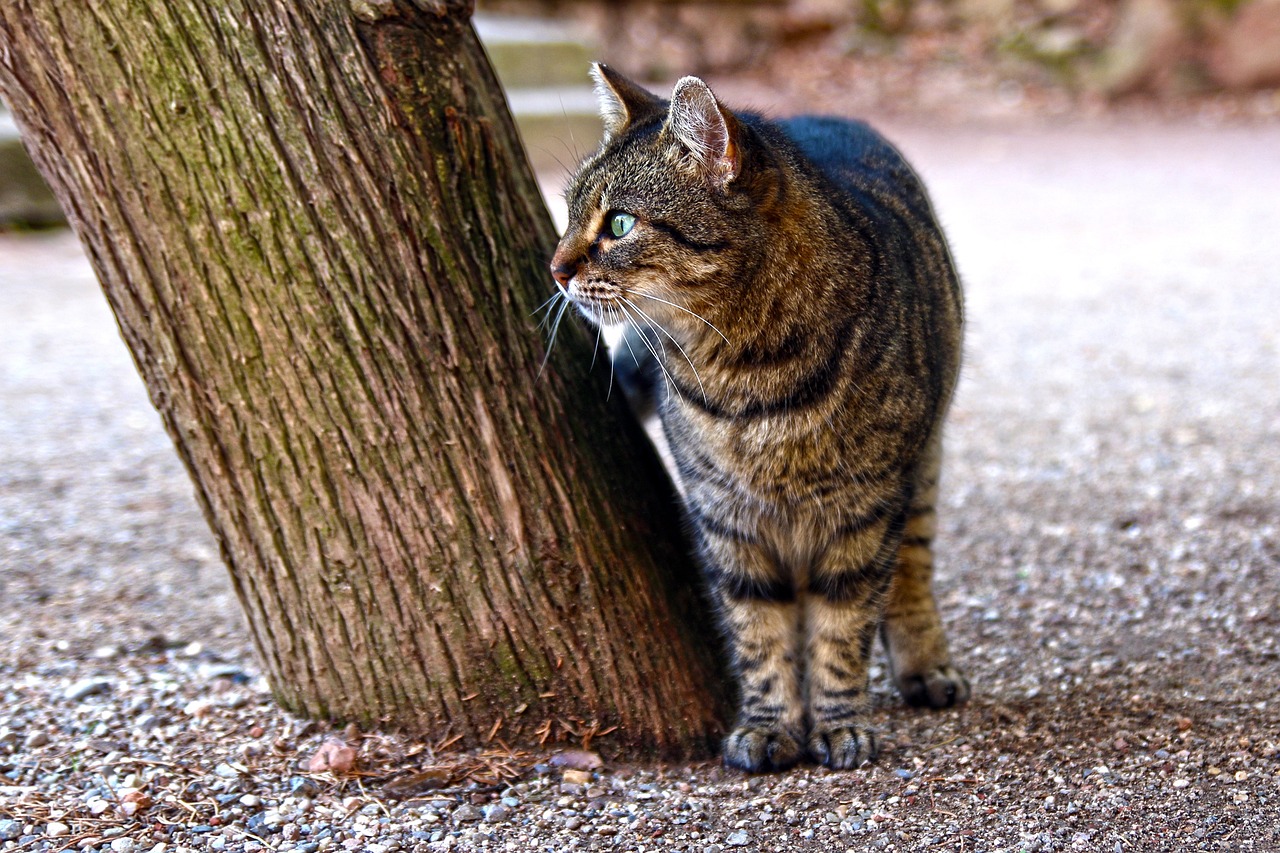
425,780
136,796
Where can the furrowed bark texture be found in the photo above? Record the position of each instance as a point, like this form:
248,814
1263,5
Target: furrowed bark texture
325,251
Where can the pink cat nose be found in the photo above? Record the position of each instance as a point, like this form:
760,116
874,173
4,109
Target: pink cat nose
562,271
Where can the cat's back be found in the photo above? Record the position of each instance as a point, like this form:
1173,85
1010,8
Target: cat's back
858,160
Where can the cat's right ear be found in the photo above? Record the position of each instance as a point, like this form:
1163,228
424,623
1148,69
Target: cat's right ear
622,102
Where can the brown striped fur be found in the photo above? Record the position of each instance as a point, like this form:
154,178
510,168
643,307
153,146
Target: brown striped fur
793,308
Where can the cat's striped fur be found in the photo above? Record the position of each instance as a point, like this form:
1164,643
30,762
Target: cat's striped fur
793,307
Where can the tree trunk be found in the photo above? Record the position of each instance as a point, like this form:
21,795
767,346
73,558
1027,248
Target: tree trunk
325,250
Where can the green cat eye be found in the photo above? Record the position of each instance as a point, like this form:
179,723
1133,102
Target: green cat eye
620,224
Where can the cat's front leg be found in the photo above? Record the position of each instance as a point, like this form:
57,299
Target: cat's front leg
760,617
844,607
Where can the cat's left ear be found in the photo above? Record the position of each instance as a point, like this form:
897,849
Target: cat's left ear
622,101
706,129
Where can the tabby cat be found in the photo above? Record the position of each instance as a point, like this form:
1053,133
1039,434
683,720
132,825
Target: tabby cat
791,301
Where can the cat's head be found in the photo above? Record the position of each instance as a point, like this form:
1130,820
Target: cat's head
664,218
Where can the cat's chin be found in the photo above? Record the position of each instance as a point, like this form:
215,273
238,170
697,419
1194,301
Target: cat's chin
605,313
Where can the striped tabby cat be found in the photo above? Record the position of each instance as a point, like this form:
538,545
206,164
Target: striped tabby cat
796,307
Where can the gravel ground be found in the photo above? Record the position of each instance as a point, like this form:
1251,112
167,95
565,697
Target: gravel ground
1109,568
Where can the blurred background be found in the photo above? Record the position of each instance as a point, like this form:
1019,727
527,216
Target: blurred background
941,62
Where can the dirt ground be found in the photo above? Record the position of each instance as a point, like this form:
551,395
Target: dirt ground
1110,563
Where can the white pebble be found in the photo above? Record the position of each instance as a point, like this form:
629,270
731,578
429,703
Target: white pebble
54,829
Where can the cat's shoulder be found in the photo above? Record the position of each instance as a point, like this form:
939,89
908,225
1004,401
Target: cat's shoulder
853,154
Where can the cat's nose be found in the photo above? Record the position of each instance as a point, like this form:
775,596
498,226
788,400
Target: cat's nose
562,271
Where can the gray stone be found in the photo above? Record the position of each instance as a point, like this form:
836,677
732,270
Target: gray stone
85,688
738,839
10,829
467,813
123,844
497,813
301,786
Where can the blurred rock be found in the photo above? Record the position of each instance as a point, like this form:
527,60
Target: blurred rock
85,688
999,12
1245,54
1146,45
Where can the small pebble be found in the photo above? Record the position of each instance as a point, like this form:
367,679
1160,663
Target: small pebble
301,786
85,688
738,839
467,813
36,739
10,829
123,844
576,777
54,829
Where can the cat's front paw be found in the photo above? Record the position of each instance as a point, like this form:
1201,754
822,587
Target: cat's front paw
843,747
940,687
758,749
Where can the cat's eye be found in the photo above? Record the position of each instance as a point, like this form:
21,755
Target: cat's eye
620,224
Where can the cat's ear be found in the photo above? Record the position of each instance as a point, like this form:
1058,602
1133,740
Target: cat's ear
622,102
705,129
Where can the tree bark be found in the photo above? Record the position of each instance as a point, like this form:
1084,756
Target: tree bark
325,250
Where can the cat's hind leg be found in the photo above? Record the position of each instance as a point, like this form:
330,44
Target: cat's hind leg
912,630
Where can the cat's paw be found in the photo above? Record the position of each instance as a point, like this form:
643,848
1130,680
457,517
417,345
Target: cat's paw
940,687
843,747
757,749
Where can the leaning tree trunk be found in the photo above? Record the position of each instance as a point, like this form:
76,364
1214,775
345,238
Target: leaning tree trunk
325,250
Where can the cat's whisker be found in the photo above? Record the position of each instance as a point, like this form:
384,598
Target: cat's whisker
546,306
657,326
548,309
681,308
555,329
599,321
644,339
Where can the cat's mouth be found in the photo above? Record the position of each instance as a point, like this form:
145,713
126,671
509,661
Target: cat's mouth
597,294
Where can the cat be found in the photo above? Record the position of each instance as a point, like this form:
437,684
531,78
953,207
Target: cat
792,307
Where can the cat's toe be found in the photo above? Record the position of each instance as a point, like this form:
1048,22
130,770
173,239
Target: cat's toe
843,747
940,687
759,750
